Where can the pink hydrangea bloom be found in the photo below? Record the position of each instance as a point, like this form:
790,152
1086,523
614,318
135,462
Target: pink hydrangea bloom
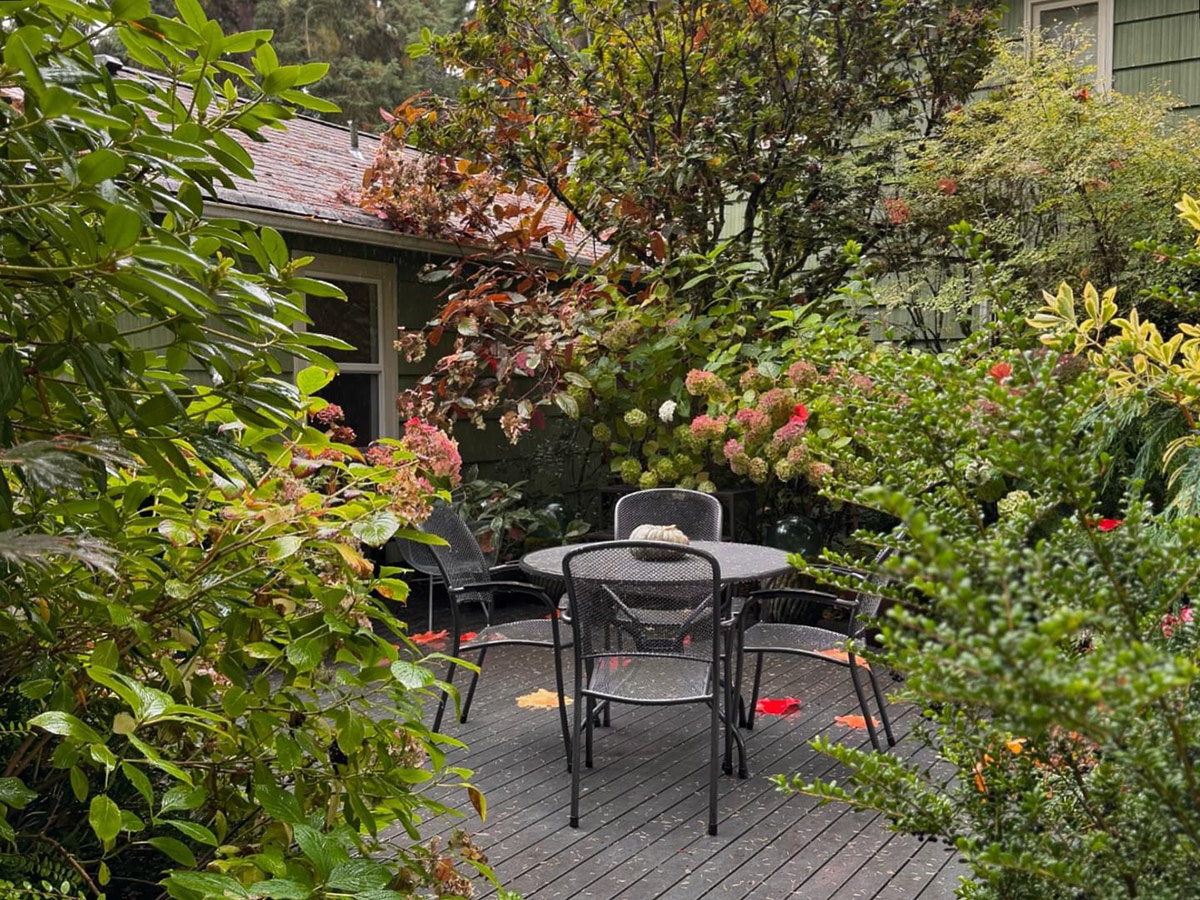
733,447
707,428
803,373
433,448
777,404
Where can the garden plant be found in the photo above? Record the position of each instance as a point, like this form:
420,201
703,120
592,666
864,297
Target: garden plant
204,691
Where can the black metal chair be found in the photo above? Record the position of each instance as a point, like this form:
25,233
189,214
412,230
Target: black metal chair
696,514
468,579
665,604
769,636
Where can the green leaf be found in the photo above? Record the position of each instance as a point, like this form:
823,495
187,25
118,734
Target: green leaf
358,875
184,796
207,884
312,378
410,675
174,848
279,804
281,889
79,784
105,817
100,165
14,793
66,725
122,226
305,653
140,782
376,529
194,830
283,547
12,379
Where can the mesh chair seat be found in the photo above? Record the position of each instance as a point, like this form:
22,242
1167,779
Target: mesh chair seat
651,679
777,637
523,631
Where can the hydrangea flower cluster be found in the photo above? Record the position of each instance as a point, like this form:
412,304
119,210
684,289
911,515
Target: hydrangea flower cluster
434,449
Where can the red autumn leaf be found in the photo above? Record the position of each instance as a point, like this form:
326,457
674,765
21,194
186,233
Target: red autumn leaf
1000,371
776,706
658,246
427,638
467,636
1110,524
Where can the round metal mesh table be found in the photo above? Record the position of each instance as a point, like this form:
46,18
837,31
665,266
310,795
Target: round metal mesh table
738,562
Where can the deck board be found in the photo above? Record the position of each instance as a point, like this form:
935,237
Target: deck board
644,805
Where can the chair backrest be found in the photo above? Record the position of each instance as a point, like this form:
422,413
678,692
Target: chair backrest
420,557
628,600
869,598
696,514
460,561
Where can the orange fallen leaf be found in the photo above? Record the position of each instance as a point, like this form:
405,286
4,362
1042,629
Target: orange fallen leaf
1015,745
541,699
843,656
858,722
776,706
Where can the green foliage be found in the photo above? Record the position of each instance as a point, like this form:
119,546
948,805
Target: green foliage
1047,638
1058,177
652,182
195,701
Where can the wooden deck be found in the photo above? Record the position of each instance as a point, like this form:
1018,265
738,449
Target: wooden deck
642,832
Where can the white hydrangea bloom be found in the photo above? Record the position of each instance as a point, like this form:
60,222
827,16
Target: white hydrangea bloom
666,412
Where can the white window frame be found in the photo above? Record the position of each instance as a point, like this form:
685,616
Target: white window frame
383,276
1104,31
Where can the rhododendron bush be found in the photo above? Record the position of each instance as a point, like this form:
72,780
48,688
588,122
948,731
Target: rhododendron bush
204,688
1044,632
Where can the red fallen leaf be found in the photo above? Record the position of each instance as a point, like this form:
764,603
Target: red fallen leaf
468,636
1110,524
624,661
426,638
776,706
843,656
557,614
857,722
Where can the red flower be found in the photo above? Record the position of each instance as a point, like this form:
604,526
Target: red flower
1001,371
1110,524
1185,615
799,414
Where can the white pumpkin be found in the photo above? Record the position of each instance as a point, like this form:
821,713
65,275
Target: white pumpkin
662,534
667,533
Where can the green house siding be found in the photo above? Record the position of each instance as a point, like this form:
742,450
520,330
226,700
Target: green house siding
1155,46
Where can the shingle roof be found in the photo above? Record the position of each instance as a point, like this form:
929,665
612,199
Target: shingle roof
310,171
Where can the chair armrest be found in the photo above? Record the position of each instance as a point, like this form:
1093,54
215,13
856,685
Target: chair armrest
501,568
512,587
757,597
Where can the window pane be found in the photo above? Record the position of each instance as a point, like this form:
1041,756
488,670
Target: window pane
1074,27
357,393
355,320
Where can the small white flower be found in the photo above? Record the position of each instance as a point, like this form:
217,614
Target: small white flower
666,412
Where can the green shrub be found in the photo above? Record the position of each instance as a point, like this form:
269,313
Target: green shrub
194,699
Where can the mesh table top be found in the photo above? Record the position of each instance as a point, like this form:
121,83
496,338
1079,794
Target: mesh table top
738,562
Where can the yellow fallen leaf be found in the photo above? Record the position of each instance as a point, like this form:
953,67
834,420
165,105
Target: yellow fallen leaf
541,699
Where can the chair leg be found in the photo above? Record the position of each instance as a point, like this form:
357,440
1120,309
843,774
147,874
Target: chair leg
862,700
727,712
471,690
737,686
591,720
562,707
754,696
712,765
576,747
449,679
881,702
